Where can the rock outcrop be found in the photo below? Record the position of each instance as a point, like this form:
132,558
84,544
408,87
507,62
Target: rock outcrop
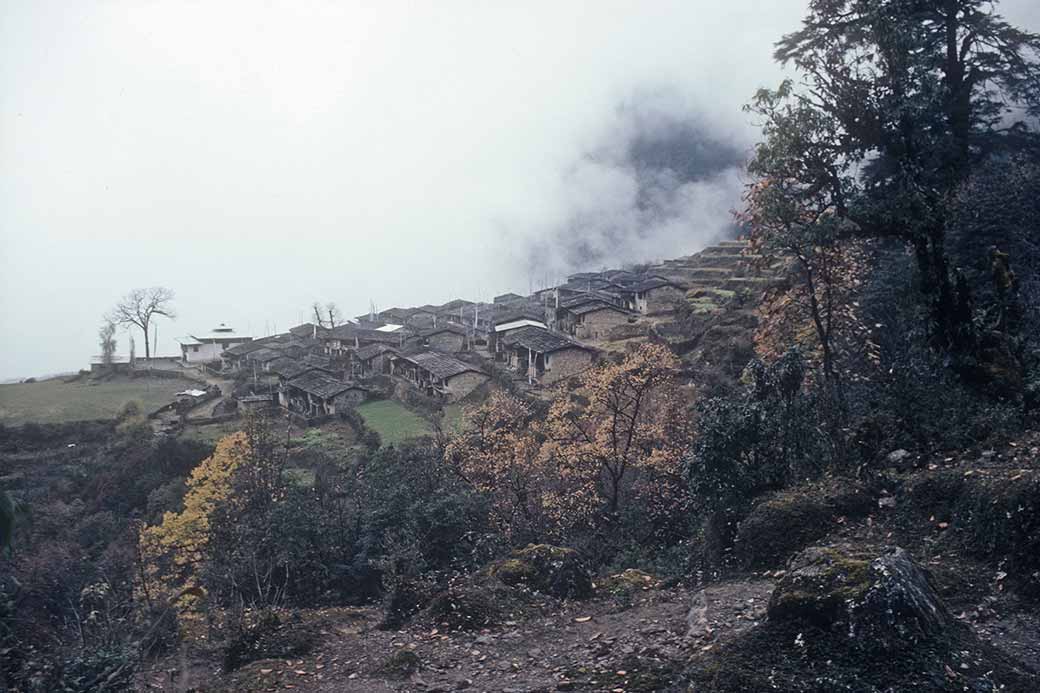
883,602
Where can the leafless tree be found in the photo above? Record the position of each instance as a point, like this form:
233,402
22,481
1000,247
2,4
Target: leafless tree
107,340
139,307
329,316
335,317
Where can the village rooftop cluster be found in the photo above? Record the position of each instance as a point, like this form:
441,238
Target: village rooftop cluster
445,351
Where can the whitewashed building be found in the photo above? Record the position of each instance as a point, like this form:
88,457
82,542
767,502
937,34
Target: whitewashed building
206,347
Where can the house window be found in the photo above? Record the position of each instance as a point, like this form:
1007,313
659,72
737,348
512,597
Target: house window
195,349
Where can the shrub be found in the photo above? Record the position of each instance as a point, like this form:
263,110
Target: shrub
552,570
759,440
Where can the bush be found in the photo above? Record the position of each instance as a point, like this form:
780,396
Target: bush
465,607
132,409
266,634
552,570
759,440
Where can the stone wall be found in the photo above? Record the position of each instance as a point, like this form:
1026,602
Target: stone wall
347,400
447,342
598,324
565,363
458,386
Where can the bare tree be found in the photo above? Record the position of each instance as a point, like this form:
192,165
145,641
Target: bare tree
329,316
107,340
139,307
335,317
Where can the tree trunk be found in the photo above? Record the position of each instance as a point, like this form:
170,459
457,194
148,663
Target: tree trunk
147,344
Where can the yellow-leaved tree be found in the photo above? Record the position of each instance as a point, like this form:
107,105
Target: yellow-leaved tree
621,437
172,550
497,452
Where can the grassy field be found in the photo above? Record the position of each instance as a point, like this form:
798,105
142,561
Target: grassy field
53,401
211,433
454,415
393,421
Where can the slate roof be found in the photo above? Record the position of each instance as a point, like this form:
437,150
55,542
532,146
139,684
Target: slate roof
653,283
307,330
316,361
288,369
514,315
366,353
453,306
508,298
263,355
594,306
541,341
441,366
589,297
322,385
243,349
446,327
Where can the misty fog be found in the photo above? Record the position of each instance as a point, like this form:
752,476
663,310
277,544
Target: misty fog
257,157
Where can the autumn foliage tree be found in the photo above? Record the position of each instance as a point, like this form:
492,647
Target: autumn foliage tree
619,439
173,550
498,454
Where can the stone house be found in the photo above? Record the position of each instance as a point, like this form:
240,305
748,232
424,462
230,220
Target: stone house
423,318
286,369
370,360
262,358
654,295
545,357
510,321
508,299
315,394
591,319
448,338
438,375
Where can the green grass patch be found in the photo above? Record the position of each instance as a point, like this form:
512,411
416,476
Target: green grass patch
53,401
393,421
210,433
454,415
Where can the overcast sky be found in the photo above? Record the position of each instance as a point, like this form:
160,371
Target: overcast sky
255,157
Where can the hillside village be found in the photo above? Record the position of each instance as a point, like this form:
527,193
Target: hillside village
447,353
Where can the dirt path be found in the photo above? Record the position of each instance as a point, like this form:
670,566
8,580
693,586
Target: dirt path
600,645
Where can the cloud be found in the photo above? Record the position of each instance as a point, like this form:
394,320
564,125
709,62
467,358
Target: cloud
659,180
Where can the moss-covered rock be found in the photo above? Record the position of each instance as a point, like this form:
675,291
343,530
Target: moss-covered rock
551,570
785,522
628,581
884,601
400,665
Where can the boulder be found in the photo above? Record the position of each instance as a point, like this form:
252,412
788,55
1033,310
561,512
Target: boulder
878,601
551,570
785,522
